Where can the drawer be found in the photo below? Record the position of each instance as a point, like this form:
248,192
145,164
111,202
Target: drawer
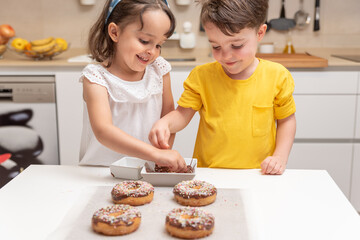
355,182
357,129
325,82
336,158
325,116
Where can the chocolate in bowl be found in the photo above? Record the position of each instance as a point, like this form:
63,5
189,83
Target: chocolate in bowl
189,169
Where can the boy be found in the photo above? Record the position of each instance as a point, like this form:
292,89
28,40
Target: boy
247,111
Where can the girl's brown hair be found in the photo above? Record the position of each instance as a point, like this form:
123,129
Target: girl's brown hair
231,16
101,46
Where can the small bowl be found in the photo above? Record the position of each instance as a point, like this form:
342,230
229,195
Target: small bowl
169,179
2,50
267,48
38,56
127,168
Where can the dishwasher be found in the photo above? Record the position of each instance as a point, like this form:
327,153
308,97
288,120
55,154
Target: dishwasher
28,124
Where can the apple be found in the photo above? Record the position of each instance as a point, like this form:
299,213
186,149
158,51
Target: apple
7,31
3,40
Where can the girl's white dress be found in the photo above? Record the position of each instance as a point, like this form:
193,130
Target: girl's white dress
135,107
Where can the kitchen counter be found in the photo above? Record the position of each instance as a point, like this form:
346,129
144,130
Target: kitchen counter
12,60
300,204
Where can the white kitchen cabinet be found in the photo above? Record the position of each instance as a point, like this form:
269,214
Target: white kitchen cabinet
325,116
336,158
325,82
357,122
326,103
70,114
355,181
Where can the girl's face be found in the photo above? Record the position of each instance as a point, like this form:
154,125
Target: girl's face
135,47
235,53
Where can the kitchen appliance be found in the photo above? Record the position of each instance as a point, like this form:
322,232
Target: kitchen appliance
268,24
282,23
301,17
28,123
317,16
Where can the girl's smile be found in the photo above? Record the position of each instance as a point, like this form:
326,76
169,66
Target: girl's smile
143,58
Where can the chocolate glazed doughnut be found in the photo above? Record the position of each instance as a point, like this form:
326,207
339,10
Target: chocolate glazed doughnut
189,223
134,193
194,193
116,220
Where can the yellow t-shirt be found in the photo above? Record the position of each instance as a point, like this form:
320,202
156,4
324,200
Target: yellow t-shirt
237,117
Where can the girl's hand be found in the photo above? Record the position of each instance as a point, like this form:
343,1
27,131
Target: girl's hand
273,165
171,159
159,135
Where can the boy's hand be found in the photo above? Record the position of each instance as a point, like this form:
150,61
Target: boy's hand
159,135
171,159
273,165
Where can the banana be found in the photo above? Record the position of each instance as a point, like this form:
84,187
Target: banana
44,48
41,42
62,43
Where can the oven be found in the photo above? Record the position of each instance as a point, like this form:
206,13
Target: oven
28,124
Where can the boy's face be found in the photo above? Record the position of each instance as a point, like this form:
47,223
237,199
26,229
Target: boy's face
235,53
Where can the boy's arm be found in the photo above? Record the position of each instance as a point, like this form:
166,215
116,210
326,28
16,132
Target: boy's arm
285,134
170,123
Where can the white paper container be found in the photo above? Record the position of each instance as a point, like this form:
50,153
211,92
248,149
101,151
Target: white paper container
127,168
169,179
266,48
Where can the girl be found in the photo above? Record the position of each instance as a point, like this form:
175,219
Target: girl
129,90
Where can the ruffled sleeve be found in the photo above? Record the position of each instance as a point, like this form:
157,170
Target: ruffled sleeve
127,91
162,66
94,74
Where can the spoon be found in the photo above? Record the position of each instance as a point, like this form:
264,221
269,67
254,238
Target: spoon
268,24
301,17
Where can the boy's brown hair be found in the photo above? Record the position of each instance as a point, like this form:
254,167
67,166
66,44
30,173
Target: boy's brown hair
101,46
231,16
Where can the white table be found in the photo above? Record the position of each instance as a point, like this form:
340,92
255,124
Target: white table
300,204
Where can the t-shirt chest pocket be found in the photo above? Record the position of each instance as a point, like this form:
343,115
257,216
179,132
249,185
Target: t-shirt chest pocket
262,119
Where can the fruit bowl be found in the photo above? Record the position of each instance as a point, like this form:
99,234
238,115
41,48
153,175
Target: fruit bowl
43,49
2,50
37,56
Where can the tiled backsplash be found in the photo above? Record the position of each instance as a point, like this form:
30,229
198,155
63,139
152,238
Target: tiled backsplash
339,21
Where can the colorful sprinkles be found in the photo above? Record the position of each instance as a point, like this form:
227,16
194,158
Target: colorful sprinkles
194,189
193,217
117,214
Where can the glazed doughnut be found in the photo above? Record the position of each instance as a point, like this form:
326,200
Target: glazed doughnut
134,193
116,220
194,193
189,222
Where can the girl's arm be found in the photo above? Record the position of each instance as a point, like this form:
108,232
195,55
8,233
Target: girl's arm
285,134
173,122
96,98
168,103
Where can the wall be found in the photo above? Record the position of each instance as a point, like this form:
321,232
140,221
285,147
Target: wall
68,19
